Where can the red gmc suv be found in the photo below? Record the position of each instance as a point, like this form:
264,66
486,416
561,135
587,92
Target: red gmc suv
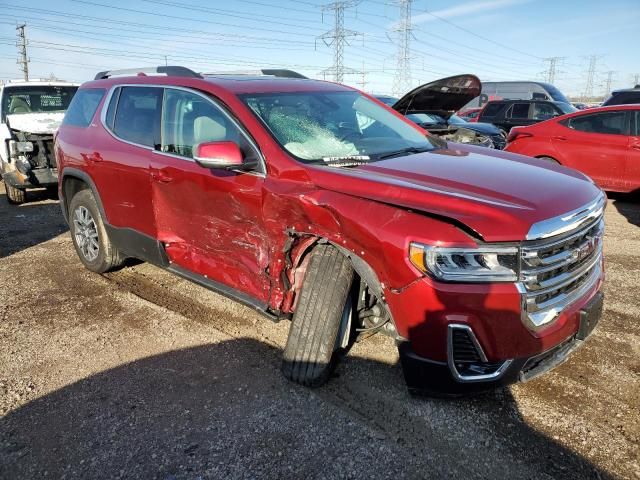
314,202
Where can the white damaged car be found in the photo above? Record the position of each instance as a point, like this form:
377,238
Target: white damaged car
30,112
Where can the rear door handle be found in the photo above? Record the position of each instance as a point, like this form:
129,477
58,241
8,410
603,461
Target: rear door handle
160,176
558,137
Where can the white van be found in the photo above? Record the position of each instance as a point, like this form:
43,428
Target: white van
30,114
516,90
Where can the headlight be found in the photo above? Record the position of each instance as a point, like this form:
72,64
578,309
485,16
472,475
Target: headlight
21,147
482,264
24,147
23,165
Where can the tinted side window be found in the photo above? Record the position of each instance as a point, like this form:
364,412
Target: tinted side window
83,107
612,123
520,110
189,119
492,109
137,117
543,111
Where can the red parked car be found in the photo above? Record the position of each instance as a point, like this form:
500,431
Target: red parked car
313,202
602,142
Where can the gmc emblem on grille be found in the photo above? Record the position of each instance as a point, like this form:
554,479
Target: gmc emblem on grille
584,250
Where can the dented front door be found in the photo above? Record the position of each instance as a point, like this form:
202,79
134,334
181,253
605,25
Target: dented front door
209,220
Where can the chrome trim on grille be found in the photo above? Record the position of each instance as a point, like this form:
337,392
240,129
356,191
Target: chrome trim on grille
568,221
452,366
558,271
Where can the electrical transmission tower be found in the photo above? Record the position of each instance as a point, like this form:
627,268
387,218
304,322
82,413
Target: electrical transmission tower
607,82
23,60
402,79
338,37
591,73
636,79
552,71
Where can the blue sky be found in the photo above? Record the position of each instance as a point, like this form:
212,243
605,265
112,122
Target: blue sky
495,39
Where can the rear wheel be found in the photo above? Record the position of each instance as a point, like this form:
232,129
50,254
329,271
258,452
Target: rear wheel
15,195
323,306
89,236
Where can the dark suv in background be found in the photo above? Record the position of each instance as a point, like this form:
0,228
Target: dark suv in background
506,114
623,97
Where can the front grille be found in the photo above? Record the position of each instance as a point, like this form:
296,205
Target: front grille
555,271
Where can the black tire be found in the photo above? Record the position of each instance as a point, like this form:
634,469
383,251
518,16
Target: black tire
15,195
310,354
107,257
550,159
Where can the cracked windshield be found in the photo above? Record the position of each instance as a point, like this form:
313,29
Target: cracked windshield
330,127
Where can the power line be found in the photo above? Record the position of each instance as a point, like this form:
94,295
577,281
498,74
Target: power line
402,79
470,32
23,59
338,38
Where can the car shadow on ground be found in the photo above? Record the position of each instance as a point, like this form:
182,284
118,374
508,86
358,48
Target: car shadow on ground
224,411
628,204
23,226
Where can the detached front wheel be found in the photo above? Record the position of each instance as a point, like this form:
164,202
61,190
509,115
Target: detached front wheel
14,195
309,356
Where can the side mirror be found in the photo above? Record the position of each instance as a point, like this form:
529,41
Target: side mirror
218,155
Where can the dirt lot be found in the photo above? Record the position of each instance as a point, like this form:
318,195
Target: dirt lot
138,374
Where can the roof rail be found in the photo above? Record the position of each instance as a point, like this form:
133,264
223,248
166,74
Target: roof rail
174,71
271,72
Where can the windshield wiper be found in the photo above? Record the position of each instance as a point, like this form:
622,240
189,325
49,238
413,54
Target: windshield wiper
404,151
346,161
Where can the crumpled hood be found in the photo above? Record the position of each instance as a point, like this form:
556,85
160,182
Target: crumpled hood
42,123
499,196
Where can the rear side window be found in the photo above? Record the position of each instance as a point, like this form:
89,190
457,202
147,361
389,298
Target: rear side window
137,117
492,109
83,107
610,123
519,110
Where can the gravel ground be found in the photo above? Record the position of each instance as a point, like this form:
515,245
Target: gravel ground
139,374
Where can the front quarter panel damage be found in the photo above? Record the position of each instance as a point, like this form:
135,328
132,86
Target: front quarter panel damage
374,235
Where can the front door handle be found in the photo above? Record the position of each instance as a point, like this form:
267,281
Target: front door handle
635,146
162,177
559,137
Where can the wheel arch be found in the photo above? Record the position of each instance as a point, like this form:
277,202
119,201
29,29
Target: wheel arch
74,180
297,253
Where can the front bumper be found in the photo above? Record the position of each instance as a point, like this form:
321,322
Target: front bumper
37,178
443,378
